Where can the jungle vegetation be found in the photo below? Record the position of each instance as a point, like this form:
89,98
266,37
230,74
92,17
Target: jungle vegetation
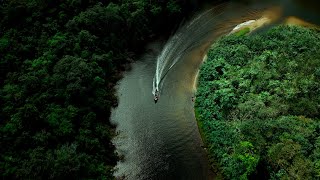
59,63
258,104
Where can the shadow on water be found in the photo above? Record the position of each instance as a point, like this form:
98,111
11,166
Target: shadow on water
161,141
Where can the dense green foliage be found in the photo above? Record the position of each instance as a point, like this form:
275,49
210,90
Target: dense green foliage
258,104
59,63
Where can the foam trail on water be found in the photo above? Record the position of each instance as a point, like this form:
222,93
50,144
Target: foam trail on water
217,21
178,44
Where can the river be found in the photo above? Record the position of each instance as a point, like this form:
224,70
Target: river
162,141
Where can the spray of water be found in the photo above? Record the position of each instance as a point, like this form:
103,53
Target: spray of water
181,42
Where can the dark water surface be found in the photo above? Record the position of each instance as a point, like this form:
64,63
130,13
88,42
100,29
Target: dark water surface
159,141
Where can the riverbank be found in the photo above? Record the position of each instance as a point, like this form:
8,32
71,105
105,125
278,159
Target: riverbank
239,30
253,25
214,166
237,127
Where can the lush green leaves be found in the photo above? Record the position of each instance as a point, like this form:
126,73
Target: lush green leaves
258,103
60,61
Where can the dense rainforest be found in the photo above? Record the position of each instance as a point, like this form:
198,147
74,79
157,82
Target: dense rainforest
59,62
258,104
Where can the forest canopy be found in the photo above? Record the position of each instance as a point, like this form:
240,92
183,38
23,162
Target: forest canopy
59,62
258,102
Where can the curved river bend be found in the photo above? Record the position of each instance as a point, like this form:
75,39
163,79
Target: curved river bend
162,141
